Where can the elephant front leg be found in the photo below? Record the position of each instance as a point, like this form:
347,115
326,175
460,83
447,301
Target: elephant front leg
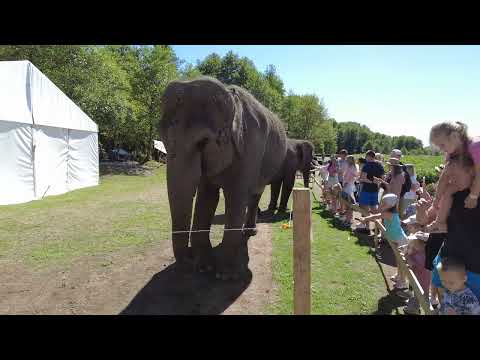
287,187
205,206
232,261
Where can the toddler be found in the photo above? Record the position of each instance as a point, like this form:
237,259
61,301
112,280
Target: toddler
392,229
457,299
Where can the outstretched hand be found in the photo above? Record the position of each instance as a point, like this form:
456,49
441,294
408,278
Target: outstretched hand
471,203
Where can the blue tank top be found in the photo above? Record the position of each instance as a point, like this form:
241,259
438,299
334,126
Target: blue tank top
394,228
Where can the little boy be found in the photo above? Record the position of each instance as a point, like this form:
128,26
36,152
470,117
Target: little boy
458,299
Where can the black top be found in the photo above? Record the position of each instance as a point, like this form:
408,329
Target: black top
463,239
372,168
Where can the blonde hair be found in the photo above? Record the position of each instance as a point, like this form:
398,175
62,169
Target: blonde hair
447,128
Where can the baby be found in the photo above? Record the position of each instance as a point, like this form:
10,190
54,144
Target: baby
458,299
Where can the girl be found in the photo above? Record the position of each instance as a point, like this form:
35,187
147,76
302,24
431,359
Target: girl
461,172
332,170
392,230
348,193
416,260
410,197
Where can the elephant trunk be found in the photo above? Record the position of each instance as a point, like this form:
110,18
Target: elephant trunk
306,177
183,178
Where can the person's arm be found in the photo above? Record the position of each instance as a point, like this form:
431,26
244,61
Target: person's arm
395,186
441,185
471,201
370,218
363,178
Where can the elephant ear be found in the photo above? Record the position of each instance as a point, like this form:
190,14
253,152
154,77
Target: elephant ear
238,126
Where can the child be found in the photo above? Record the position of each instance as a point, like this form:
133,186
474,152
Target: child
457,299
358,184
462,170
411,196
416,260
393,230
348,193
332,180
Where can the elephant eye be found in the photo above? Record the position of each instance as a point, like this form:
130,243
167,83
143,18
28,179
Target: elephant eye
201,145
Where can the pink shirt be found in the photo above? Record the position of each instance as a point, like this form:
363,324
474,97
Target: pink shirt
332,170
350,174
474,150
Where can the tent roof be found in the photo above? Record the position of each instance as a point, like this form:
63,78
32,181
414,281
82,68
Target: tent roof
28,96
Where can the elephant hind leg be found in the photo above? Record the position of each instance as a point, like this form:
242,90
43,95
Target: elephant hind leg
252,213
274,193
205,206
287,187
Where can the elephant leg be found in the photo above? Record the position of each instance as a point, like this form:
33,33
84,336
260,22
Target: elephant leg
251,221
287,187
232,261
205,206
274,193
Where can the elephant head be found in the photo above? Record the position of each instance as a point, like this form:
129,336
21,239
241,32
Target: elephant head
203,131
305,150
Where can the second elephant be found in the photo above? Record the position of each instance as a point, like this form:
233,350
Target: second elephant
300,154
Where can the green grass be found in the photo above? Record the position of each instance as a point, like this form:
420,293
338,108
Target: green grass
424,165
132,212
123,211
345,276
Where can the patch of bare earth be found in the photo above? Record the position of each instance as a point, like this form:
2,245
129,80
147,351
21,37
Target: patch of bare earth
137,281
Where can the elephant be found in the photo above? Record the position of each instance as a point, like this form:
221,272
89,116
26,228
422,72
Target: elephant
217,137
300,157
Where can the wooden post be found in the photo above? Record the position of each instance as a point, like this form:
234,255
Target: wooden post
302,235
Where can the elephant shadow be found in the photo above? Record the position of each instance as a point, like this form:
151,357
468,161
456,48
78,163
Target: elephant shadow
179,291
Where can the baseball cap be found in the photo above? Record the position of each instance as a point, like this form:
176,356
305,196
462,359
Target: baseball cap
393,161
390,200
396,153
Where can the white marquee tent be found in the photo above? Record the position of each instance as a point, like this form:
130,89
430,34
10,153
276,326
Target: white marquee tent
48,145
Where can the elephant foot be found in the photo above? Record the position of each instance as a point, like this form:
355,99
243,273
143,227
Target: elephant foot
183,255
235,268
203,261
250,232
269,212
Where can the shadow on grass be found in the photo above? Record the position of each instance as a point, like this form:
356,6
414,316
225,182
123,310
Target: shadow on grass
389,304
178,290
383,254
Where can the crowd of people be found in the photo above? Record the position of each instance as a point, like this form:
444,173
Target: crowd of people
436,232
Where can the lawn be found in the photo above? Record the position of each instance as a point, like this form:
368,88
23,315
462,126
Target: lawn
345,276
131,212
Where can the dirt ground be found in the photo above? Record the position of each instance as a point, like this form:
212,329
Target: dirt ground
146,282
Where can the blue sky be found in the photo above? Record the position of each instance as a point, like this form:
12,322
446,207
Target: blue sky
396,90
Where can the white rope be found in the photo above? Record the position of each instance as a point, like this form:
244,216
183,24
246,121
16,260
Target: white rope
197,231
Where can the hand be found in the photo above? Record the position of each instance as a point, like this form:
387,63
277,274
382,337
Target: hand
471,203
450,311
377,181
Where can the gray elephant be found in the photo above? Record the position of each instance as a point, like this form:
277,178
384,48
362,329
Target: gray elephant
217,136
300,157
